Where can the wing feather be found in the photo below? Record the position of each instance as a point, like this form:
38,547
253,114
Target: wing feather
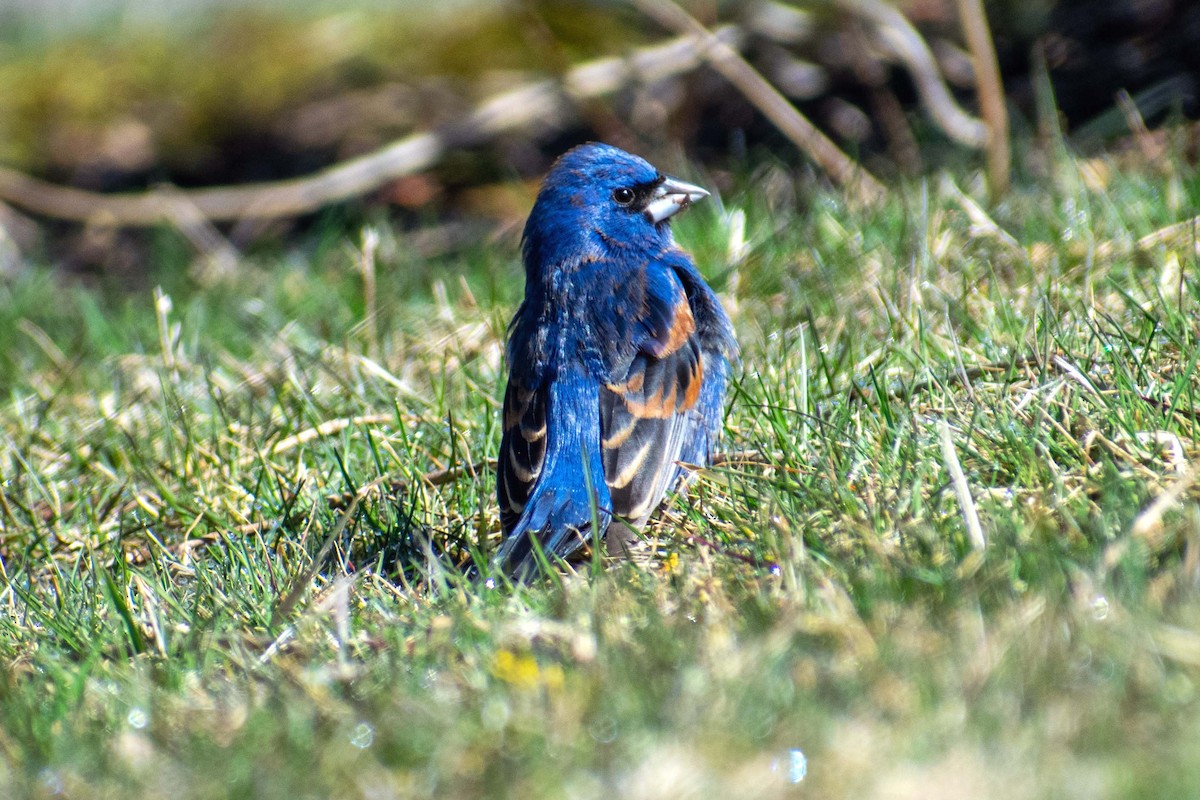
650,416
522,450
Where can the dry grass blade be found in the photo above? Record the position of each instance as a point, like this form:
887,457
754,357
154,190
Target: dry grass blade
961,489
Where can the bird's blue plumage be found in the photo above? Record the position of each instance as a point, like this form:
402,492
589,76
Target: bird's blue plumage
618,357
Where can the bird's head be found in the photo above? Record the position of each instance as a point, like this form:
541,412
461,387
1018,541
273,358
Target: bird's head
599,198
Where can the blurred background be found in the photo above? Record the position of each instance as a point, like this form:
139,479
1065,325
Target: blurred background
121,96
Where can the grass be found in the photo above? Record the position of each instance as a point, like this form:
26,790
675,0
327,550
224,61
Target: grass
230,559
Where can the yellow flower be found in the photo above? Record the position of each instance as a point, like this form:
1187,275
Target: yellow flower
520,671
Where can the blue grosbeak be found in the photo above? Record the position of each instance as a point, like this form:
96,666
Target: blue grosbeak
618,359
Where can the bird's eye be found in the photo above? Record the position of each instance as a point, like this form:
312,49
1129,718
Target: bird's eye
623,196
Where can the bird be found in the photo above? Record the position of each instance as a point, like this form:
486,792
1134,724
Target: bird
618,361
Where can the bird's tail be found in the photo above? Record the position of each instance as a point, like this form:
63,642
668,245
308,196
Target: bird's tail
570,494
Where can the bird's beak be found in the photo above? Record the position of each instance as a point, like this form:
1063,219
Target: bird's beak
670,197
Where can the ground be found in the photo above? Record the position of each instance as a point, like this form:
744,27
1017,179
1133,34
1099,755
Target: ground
952,548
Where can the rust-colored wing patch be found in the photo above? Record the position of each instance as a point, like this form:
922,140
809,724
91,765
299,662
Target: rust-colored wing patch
645,420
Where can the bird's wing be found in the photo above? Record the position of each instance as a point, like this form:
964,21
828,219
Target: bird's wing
650,413
522,449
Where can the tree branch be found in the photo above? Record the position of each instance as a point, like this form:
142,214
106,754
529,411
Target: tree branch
503,112
774,106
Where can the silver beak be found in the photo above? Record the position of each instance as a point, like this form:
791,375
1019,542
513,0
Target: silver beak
670,197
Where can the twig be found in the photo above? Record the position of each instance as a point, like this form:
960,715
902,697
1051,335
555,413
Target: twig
327,428
735,69
1173,235
749,457
1167,407
437,477
503,112
1149,523
1148,527
1074,373
440,477
895,34
981,221
219,256
899,36
991,94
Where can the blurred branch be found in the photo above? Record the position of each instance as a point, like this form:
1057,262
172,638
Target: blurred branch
990,92
1185,234
14,234
506,111
729,63
535,103
898,35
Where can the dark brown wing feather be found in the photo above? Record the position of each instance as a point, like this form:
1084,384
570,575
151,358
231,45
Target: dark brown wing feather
522,450
646,419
